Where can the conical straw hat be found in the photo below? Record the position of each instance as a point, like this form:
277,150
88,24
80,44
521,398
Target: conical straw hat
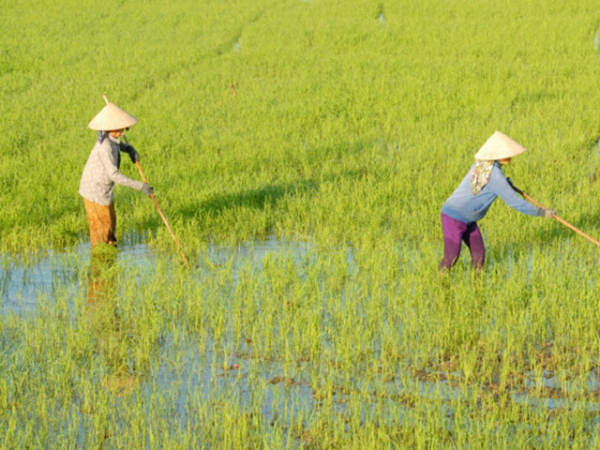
112,118
499,146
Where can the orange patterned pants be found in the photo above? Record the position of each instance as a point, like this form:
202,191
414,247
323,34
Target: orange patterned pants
102,221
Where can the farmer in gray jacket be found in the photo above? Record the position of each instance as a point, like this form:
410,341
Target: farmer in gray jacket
101,172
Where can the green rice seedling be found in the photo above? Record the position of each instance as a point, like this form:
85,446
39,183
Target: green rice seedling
333,137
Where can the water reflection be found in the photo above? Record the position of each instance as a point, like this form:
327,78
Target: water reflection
26,280
185,367
106,324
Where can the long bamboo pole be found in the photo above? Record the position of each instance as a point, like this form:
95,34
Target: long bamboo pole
145,180
555,216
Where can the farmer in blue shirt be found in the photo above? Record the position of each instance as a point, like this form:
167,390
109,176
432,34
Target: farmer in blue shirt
472,199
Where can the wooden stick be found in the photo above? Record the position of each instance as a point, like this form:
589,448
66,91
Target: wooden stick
561,220
137,163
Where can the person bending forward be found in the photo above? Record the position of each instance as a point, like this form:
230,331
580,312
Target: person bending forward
472,199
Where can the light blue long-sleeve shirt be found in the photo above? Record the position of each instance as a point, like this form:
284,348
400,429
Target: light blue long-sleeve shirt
463,205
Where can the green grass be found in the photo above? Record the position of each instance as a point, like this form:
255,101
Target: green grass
335,349
346,133
338,119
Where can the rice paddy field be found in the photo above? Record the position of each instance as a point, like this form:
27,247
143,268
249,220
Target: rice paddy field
301,151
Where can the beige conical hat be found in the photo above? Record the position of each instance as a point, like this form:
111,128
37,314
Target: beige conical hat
499,146
112,118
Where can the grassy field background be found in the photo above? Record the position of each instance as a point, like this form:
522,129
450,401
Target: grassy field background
351,123
348,121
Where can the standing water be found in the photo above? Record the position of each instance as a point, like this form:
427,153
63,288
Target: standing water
253,332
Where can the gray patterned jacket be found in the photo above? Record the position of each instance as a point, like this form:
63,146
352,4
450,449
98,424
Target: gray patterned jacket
101,172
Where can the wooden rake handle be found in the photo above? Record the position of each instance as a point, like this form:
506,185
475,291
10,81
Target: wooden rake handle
145,180
555,216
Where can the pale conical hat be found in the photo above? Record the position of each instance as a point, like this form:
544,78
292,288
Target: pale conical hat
112,118
499,146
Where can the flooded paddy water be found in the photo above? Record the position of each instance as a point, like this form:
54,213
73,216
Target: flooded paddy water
266,335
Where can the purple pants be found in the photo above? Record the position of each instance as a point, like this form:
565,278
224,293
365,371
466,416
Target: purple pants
456,232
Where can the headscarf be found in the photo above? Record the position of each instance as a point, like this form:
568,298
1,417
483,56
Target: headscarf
101,136
481,174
